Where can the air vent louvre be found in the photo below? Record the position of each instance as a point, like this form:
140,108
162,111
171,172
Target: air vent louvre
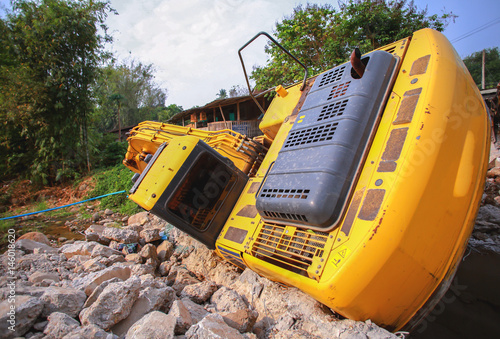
332,76
333,110
292,250
288,216
311,135
338,90
284,193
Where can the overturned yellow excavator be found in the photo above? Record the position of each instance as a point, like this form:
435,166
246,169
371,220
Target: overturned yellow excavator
365,196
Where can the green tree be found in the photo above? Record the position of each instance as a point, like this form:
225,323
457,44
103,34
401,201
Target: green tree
169,112
129,88
492,66
51,56
222,94
322,37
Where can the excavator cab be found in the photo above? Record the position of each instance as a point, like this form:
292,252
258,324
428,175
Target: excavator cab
190,185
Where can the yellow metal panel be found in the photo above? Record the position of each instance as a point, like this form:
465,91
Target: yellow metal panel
166,167
280,108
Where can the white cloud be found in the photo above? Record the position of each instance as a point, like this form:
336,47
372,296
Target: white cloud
194,43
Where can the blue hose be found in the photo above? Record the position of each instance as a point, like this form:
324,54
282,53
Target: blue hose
56,208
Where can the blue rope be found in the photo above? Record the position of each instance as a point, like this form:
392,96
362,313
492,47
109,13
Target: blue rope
56,208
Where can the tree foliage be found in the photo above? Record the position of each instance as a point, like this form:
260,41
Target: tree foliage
492,66
322,37
51,52
129,89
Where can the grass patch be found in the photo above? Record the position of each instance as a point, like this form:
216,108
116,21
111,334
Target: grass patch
112,180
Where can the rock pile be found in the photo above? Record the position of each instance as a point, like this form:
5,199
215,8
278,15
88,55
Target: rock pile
141,281
486,235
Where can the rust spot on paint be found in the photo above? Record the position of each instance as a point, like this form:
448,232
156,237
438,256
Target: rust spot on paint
351,213
376,227
236,234
249,211
371,204
395,144
253,187
420,65
408,105
386,166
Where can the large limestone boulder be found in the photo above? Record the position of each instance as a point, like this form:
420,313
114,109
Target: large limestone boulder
104,251
89,282
231,306
150,299
125,236
155,325
35,236
64,300
139,218
78,248
200,292
30,246
17,318
113,304
213,327
59,325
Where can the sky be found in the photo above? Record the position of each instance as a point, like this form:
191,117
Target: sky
194,43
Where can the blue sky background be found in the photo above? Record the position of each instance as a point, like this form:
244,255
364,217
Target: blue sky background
194,43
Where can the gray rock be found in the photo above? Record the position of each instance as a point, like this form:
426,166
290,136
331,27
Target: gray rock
135,258
213,327
125,236
148,252
59,325
182,317
139,218
28,246
89,282
91,236
93,265
150,234
113,304
108,212
150,299
77,248
233,309
196,311
64,300
164,268
200,292
96,216
104,251
182,278
138,270
98,290
89,331
154,325
165,250
17,318
41,276
117,258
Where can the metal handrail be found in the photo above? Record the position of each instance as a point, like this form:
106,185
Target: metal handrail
284,50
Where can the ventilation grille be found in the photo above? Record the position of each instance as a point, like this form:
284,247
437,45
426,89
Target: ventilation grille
291,250
284,193
289,216
311,135
333,110
332,76
338,90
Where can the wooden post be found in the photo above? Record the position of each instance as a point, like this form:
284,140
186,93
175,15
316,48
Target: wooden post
223,117
238,111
